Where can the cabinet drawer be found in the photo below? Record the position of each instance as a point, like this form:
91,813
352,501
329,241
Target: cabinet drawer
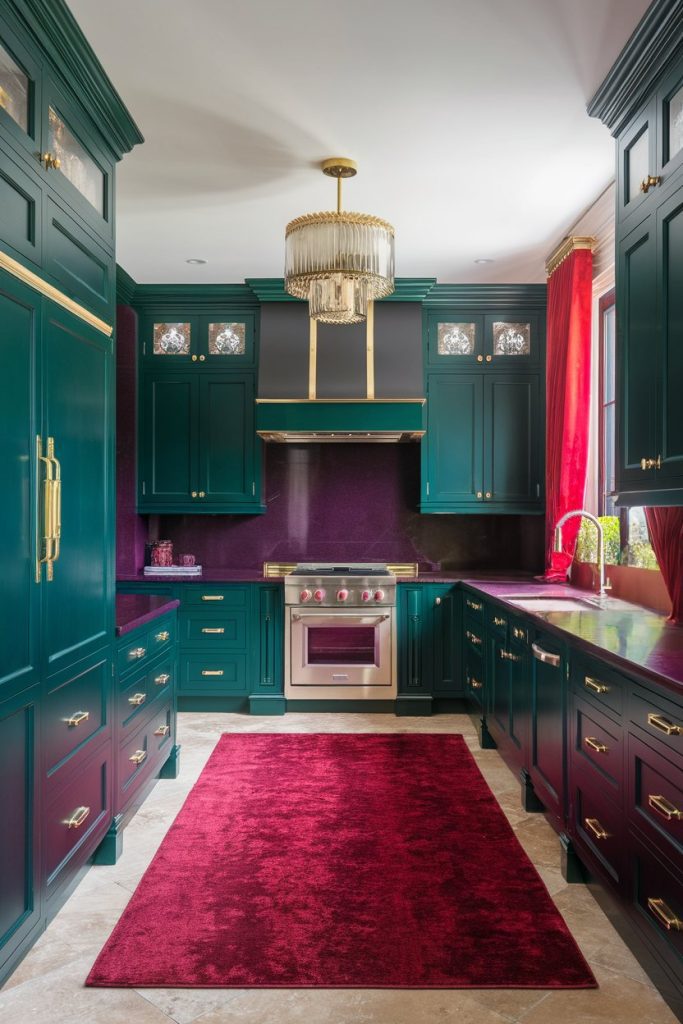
143,645
213,599
598,825
474,607
227,630
74,714
141,755
76,818
598,747
139,692
599,684
208,673
658,897
656,797
659,718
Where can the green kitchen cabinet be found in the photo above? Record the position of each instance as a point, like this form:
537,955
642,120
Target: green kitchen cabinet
429,663
483,450
20,884
644,115
508,339
198,449
508,689
547,724
268,617
185,335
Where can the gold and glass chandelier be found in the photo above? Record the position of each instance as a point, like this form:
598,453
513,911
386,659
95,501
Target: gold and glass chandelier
339,261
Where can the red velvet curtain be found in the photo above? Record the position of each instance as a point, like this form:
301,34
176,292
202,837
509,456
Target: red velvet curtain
665,526
570,292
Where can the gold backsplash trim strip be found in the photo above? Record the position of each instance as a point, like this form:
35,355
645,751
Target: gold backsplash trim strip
19,271
274,570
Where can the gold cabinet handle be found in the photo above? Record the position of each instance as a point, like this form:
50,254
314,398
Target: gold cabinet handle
473,638
213,629
56,498
137,652
162,679
663,724
163,636
595,685
50,161
518,633
651,463
476,606
498,621
594,826
509,656
45,544
651,181
212,671
138,757
476,685
665,915
78,717
547,657
662,806
137,699
212,597
78,817
162,730
596,745
437,601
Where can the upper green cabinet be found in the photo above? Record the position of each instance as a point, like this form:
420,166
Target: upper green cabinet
508,339
641,101
221,340
198,449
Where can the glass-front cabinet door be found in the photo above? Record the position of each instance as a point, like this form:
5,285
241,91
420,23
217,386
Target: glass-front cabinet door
19,92
217,339
512,340
670,116
455,340
226,340
506,340
79,170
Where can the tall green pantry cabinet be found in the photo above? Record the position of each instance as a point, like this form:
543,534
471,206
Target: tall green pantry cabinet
62,129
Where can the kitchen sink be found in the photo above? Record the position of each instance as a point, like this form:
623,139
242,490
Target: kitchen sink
553,604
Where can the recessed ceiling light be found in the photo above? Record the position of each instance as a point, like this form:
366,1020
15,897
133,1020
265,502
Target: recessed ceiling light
196,261
481,260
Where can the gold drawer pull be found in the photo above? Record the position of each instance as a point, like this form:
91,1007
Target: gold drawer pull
651,463
212,597
595,745
162,730
137,699
164,635
596,828
212,671
650,181
137,652
663,724
78,817
476,606
473,638
663,807
665,914
162,679
497,621
476,685
595,685
213,629
509,656
78,717
138,757
518,633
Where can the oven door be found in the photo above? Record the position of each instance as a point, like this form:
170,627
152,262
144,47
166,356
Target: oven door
340,654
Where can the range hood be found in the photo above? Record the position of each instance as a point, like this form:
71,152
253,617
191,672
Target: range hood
360,383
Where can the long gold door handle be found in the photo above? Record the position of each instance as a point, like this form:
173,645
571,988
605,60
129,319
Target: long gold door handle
44,538
56,499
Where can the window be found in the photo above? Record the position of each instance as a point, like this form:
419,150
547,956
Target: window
625,529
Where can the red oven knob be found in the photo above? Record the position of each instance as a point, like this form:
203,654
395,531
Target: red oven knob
343,594
319,595
366,595
305,596
379,595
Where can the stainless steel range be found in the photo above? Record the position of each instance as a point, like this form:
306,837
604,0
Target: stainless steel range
340,632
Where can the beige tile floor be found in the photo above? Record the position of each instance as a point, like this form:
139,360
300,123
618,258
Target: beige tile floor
48,984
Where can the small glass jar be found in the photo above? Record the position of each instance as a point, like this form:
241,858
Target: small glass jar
162,553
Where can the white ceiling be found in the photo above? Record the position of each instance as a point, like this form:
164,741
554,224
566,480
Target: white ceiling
467,121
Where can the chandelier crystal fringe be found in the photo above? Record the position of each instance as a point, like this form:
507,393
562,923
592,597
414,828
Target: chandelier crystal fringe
339,261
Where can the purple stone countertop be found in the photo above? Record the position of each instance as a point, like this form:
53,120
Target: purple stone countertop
133,610
208,576
628,636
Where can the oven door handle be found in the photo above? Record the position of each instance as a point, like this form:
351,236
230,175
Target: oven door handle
331,619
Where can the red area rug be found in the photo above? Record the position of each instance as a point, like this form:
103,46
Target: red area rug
360,861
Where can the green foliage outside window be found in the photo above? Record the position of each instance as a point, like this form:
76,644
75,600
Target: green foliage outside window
638,552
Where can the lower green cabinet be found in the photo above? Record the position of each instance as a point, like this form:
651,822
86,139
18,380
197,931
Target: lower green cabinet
547,744
429,663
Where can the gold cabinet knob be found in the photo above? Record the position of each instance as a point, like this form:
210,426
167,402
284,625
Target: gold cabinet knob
163,636
138,652
488,495
651,181
480,359
193,494
194,359
437,600
479,495
202,494
202,359
489,358
50,161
